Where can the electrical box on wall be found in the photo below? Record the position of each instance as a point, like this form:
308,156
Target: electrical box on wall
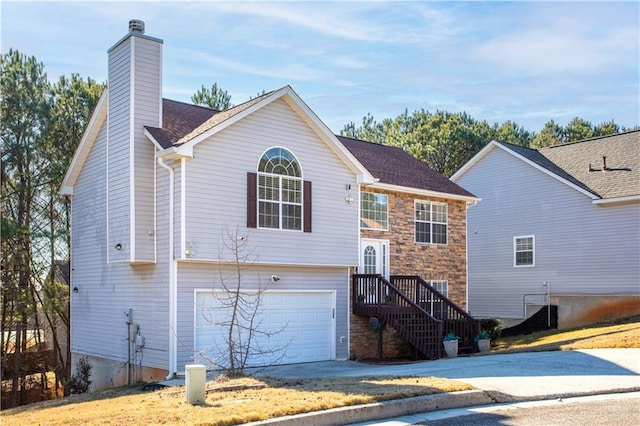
139,341
133,332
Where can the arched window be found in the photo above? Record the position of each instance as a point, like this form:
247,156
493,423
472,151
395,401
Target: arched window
370,259
280,190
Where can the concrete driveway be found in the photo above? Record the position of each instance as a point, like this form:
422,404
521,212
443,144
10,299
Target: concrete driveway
520,376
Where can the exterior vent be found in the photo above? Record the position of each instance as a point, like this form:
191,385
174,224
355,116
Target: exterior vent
136,26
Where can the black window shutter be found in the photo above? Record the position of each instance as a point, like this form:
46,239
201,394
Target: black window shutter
307,206
252,200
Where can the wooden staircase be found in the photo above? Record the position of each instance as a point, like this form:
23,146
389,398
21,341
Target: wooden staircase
415,310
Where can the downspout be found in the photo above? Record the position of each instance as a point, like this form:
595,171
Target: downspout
466,254
173,284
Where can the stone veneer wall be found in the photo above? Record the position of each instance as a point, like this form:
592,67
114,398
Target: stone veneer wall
406,257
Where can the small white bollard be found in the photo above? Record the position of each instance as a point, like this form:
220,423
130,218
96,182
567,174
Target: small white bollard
195,382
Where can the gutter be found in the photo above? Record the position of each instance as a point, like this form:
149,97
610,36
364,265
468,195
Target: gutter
173,282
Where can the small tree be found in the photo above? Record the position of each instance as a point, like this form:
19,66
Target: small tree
215,98
81,380
239,313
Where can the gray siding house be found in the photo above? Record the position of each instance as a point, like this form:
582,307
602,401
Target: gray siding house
557,226
173,205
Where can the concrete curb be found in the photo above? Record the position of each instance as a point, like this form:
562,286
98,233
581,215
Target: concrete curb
382,410
419,404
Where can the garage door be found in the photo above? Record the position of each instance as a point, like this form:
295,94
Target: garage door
292,327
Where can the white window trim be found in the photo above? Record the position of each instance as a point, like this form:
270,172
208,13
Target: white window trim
360,219
280,202
533,251
444,283
430,222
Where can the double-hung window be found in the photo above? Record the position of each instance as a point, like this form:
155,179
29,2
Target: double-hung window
279,190
431,222
524,251
374,211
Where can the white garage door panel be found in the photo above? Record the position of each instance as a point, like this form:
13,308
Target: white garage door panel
300,322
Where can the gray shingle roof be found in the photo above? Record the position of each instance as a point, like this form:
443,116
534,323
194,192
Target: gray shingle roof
182,122
620,178
582,163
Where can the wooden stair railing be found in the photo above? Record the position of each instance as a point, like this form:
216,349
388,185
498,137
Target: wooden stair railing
456,320
374,296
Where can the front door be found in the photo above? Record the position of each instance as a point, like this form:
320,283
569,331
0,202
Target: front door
374,257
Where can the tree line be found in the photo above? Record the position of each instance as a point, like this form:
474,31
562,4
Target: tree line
41,125
445,141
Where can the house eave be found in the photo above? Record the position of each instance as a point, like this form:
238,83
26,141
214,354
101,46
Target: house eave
88,139
423,192
617,200
175,153
494,144
66,191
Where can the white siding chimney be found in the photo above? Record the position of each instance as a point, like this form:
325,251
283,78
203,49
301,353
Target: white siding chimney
135,101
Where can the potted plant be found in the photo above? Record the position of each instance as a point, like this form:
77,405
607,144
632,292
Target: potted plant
483,340
451,345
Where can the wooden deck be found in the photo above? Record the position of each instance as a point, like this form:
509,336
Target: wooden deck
415,310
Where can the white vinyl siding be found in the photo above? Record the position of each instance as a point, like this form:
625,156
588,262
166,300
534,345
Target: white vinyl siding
105,291
147,100
131,157
227,157
118,166
588,249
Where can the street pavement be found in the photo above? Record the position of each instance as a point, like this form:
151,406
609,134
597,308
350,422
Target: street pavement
498,378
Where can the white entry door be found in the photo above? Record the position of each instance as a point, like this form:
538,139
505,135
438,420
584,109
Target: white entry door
374,257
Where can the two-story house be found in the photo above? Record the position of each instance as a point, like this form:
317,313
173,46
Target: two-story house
558,226
176,207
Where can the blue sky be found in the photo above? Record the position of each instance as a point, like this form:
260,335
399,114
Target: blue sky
528,62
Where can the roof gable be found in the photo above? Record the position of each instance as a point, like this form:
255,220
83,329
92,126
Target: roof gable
580,164
89,136
180,139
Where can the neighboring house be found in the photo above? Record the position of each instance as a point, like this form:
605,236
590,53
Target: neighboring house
563,220
170,201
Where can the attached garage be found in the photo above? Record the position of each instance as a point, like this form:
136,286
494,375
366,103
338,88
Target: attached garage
292,327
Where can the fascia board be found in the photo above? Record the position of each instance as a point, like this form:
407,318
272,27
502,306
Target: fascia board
186,149
321,129
494,144
86,143
548,173
469,164
617,200
296,103
423,192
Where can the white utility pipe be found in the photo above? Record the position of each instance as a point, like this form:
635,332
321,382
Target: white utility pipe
173,290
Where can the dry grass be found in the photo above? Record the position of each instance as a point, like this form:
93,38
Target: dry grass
235,401
247,399
624,333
